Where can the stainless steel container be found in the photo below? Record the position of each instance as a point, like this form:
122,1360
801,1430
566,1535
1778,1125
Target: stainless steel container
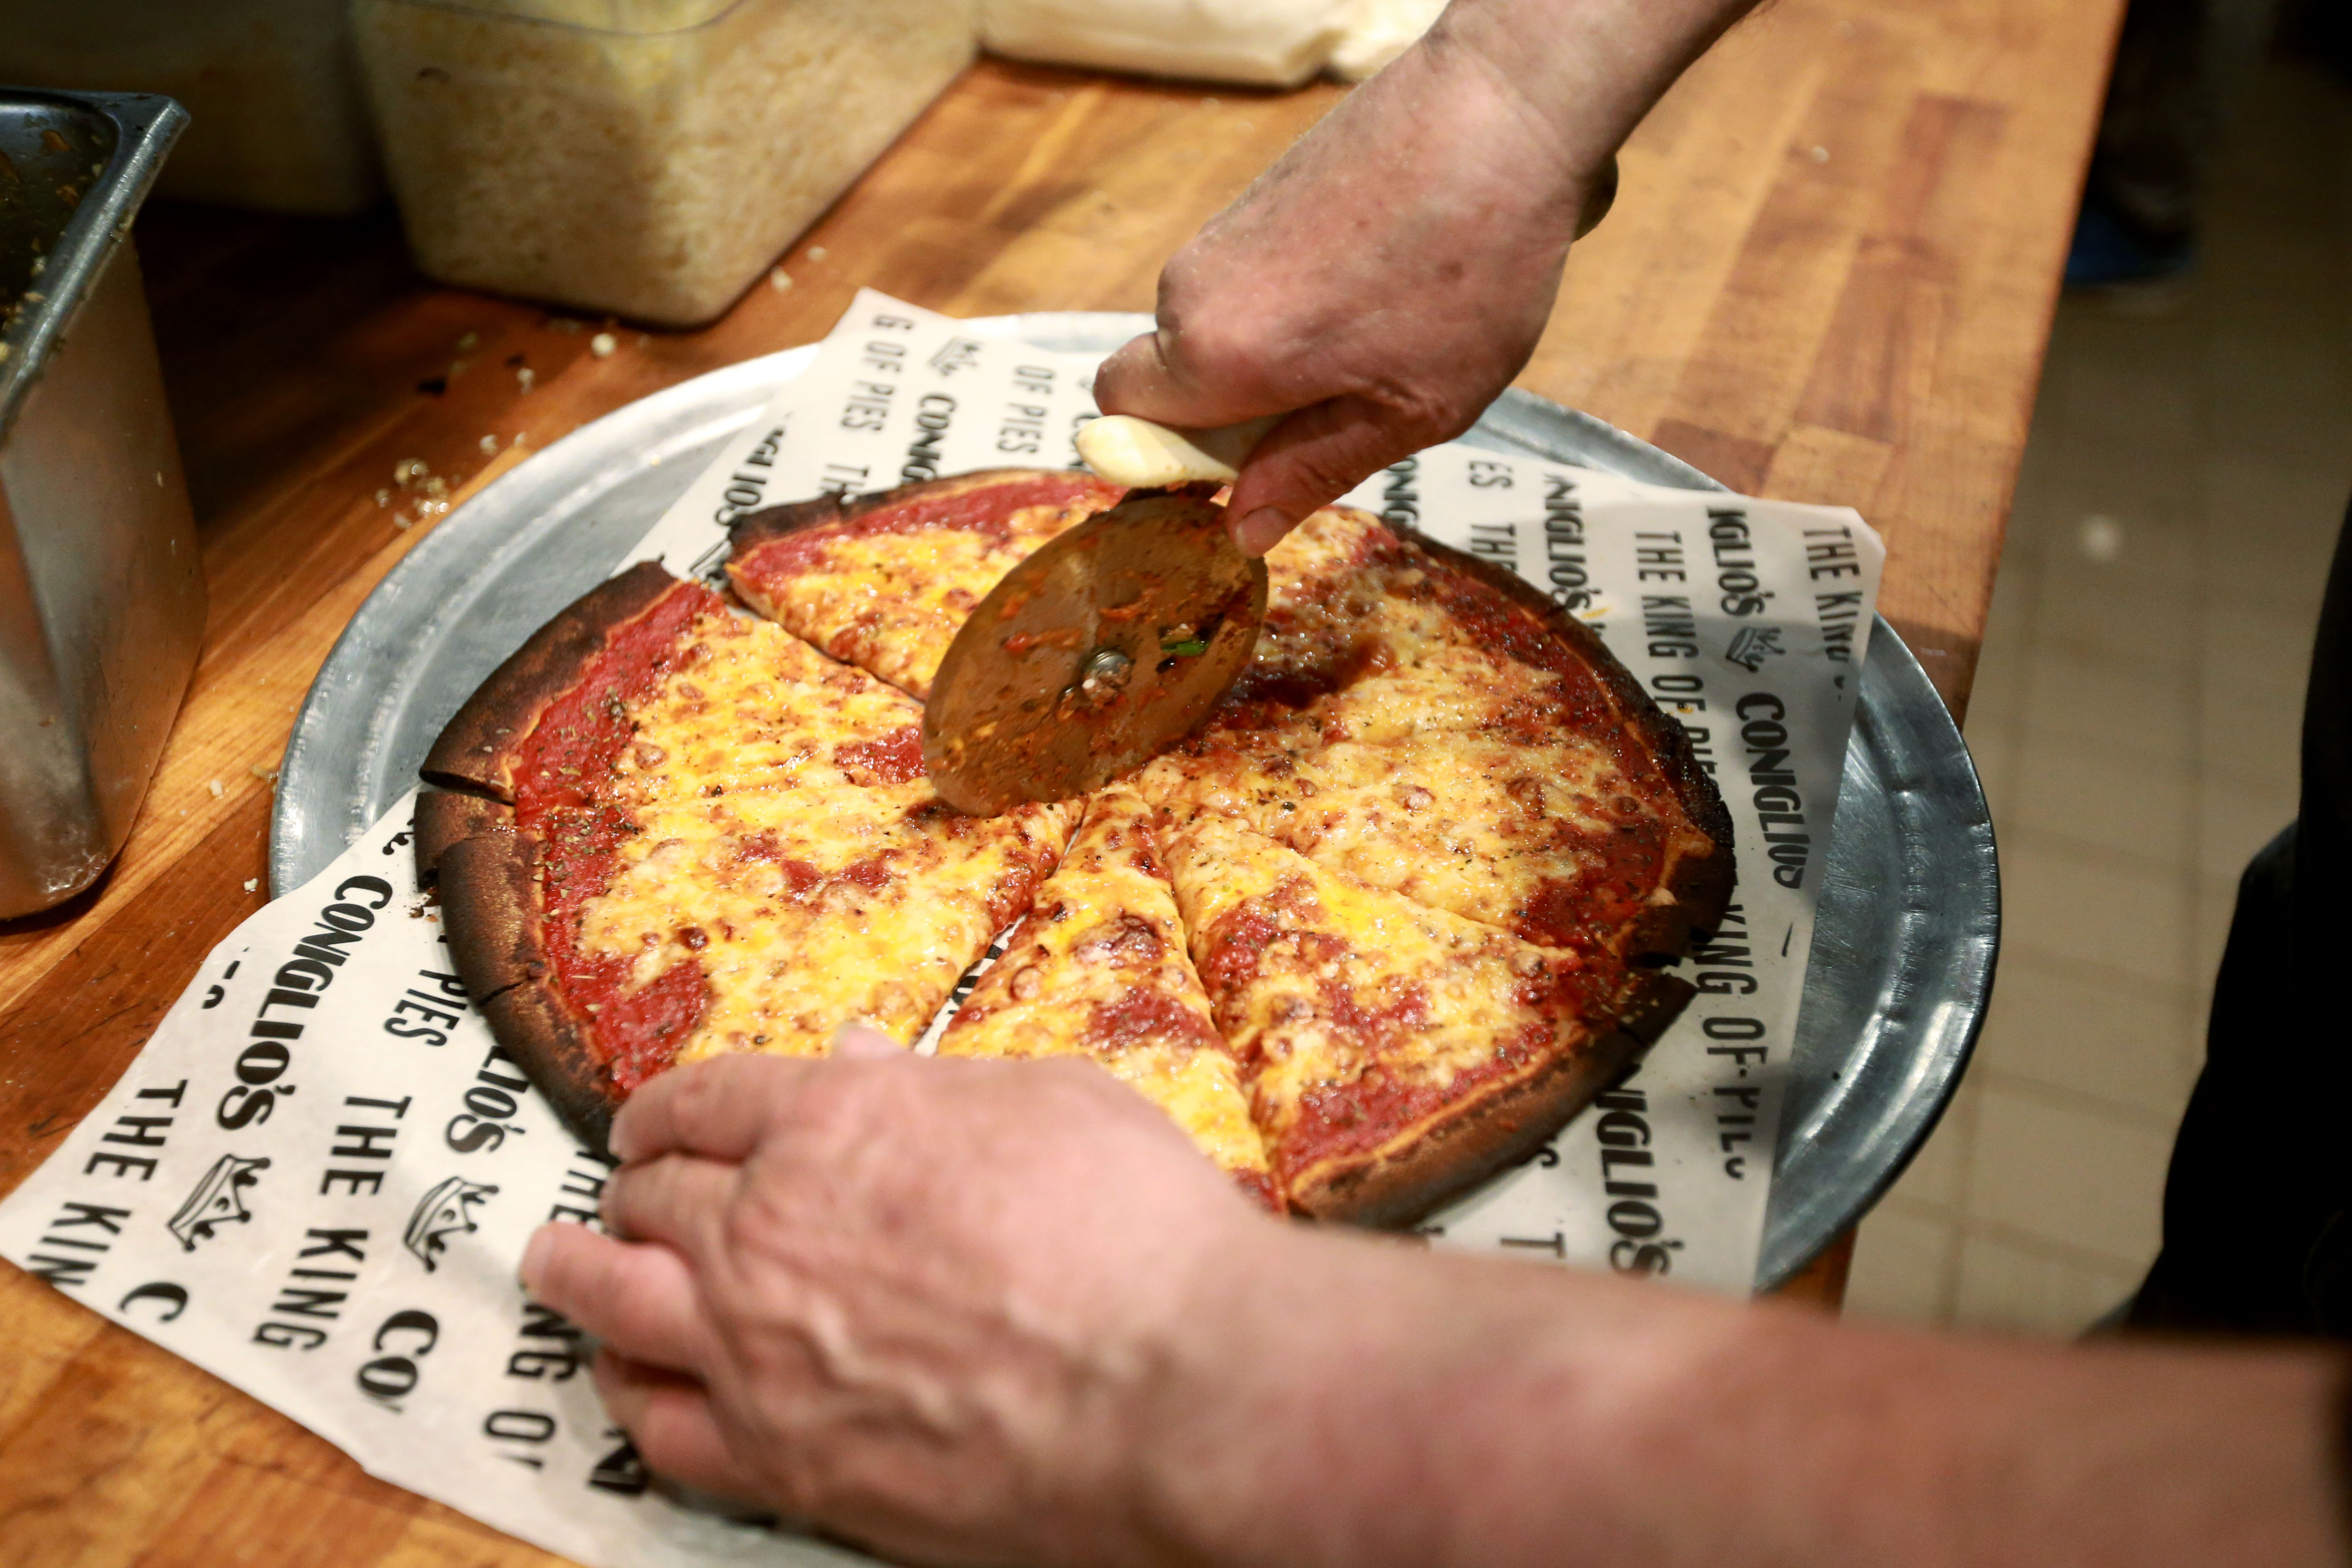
102,592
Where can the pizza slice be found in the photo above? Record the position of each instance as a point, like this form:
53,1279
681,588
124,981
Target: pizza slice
1098,970
1395,1053
885,580
626,886
748,706
1373,635
800,912
1566,842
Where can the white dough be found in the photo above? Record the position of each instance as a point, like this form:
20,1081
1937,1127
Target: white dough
1266,43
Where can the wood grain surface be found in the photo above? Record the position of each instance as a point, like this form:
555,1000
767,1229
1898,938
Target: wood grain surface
1830,277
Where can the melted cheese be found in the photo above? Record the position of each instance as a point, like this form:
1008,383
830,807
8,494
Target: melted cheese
1351,620
892,602
749,706
1321,960
1318,980
812,908
1467,823
1099,969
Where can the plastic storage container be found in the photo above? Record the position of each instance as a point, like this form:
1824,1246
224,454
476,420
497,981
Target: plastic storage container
276,119
644,157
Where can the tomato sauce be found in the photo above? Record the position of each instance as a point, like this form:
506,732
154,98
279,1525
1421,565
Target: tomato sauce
986,509
1615,874
564,772
896,758
1357,1118
1136,1017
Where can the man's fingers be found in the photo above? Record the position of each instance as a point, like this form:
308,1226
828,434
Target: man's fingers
1136,380
1146,377
640,1300
1310,460
678,1200
669,1420
720,1108
858,1043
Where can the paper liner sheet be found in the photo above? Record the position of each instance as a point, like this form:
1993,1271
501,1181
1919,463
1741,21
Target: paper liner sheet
317,1178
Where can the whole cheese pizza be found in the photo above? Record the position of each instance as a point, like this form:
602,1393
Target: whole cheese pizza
1396,909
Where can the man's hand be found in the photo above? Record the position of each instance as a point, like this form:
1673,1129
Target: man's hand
1386,278
975,1312
920,1302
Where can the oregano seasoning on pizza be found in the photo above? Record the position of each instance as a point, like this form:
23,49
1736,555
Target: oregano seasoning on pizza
1387,918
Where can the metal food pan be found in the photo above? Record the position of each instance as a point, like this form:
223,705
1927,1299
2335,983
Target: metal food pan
102,592
1909,918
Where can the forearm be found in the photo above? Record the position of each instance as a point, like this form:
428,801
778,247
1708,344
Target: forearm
1587,70
1393,270
1354,1404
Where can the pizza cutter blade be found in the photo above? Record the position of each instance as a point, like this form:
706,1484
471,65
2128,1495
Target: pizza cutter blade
1094,654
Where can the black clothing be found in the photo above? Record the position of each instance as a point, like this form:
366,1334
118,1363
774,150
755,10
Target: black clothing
2256,1233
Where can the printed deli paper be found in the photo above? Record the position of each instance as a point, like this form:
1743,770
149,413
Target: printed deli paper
317,1178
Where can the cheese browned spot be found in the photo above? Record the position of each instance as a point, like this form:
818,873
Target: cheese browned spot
1098,970
807,909
889,598
1360,1017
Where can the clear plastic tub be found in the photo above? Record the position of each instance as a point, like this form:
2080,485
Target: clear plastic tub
276,117
647,158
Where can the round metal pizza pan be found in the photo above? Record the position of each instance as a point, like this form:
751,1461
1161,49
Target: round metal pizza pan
1909,919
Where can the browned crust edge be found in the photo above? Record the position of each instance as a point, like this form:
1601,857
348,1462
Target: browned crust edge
445,817
1700,887
469,849
754,530
476,748
1465,1144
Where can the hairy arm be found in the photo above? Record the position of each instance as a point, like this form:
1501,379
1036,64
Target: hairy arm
1387,277
1002,1312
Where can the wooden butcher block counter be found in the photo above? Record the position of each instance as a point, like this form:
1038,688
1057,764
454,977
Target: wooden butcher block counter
1830,278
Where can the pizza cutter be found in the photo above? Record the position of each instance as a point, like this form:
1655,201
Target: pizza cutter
1094,654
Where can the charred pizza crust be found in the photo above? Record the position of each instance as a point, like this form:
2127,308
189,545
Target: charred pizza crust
488,869
484,869
479,747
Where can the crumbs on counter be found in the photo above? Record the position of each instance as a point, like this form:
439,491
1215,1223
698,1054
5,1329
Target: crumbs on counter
413,478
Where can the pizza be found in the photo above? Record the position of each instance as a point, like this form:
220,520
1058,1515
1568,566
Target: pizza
884,582
1098,968
1404,902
